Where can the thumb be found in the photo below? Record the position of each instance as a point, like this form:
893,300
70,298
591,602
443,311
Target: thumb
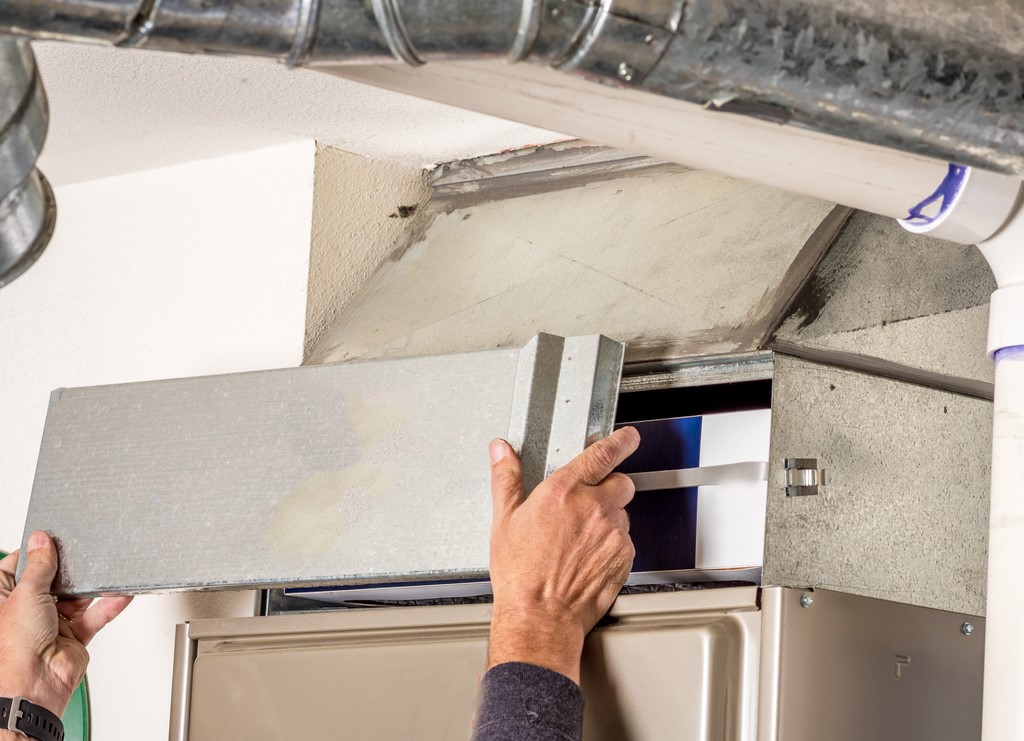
506,478
41,566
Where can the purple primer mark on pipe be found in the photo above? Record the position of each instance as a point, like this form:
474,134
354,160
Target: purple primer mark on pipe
947,192
1015,352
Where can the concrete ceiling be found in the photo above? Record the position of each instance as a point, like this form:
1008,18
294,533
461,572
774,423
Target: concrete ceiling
117,111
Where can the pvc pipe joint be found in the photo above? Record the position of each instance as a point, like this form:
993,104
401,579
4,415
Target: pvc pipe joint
1006,319
973,206
1005,255
968,206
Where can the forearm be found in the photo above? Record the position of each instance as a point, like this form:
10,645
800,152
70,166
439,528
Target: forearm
523,702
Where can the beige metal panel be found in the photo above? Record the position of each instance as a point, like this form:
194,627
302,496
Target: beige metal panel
858,669
903,514
181,683
672,666
675,263
901,303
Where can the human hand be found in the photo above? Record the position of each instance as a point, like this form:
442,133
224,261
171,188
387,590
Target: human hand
42,642
560,556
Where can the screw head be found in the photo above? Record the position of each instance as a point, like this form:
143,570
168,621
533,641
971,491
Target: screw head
966,629
556,12
626,72
806,600
649,39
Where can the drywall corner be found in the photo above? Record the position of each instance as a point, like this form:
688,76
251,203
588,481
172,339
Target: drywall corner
361,212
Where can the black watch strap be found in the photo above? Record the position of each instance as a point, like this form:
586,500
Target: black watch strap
30,720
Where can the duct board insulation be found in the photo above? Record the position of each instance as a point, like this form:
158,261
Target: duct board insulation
893,303
903,511
332,474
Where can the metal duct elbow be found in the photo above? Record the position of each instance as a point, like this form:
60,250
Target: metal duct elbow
27,210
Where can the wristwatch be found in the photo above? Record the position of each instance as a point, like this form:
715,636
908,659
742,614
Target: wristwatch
30,720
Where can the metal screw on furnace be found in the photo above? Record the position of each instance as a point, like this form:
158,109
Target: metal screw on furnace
626,72
966,629
806,600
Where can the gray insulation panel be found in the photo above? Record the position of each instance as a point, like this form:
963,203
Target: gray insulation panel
332,474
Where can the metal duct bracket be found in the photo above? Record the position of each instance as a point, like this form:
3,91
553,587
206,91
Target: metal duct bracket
566,393
333,474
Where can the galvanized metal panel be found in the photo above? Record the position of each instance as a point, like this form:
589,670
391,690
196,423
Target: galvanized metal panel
903,511
555,374
315,475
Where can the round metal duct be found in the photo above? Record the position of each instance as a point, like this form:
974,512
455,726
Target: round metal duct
27,208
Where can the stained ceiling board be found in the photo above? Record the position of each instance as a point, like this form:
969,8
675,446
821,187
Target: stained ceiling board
674,262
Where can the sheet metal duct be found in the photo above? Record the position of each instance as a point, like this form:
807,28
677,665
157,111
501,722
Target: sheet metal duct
27,211
941,78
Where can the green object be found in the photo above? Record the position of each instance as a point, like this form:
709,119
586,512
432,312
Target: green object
76,718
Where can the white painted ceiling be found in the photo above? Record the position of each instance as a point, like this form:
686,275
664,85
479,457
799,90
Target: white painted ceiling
116,111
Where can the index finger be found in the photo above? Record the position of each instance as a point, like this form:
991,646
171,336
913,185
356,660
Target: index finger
593,465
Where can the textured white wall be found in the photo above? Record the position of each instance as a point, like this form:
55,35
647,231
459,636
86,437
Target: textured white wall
188,270
357,223
115,111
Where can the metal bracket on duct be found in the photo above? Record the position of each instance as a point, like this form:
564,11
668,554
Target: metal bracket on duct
940,78
27,211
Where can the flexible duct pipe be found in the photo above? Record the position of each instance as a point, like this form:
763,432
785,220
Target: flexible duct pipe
944,84
27,209
841,71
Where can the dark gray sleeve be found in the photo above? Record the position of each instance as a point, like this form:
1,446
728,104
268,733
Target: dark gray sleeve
523,702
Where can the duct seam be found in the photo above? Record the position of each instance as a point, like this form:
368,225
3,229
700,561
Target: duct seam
389,18
28,215
140,26
305,34
529,30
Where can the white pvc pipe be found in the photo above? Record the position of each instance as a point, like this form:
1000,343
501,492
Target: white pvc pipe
974,212
1003,714
1003,708
870,178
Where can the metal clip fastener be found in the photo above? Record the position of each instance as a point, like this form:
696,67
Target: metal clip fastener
16,715
803,477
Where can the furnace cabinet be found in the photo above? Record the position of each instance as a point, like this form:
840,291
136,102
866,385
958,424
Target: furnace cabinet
726,664
863,631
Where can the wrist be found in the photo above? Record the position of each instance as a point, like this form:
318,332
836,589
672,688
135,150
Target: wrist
24,718
547,638
35,695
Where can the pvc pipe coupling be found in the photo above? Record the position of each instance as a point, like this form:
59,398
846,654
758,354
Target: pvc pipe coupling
977,207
